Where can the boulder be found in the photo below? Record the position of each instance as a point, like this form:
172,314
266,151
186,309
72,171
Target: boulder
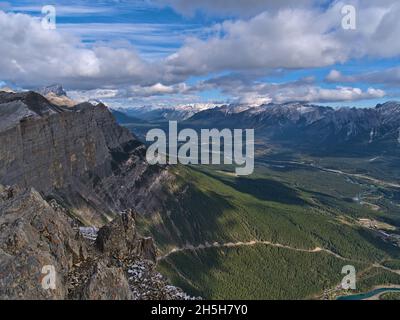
107,283
119,237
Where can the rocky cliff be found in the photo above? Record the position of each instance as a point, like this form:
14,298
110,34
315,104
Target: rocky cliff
43,255
77,155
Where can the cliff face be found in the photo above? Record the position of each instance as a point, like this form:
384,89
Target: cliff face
78,155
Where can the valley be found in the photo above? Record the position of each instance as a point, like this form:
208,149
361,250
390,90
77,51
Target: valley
248,221
285,231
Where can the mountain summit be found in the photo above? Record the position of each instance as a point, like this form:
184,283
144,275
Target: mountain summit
57,95
56,89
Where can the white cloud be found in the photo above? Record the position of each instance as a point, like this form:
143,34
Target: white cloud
340,94
155,95
293,38
389,77
289,39
290,35
96,94
337,76
32,56
313,94
157,89
249,91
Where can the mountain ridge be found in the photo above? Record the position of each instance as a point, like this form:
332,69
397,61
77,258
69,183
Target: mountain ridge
80,155
311,126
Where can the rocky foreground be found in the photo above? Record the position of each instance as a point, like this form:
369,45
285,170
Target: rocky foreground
118,264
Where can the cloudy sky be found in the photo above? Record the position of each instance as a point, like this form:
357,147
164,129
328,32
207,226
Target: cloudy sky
176,52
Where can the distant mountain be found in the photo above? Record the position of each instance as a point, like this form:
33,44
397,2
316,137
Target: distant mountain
56,95
178,113
301,125
56,89
7,89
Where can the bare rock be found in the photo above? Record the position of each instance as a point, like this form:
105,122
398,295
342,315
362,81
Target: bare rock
79,155
147,249
107,283
118,238
34,238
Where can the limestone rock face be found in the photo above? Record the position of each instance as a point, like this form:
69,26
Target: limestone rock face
119,239
148,249
107,283
32,237
79,156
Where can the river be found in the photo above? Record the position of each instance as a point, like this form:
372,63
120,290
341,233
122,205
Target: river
369,294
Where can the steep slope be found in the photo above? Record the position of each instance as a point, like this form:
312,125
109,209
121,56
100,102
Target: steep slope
284,232
78,155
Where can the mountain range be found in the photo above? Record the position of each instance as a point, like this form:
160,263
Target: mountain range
159,114
306,126
302,126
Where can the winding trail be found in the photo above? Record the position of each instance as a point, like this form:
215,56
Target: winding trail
246,244
336,288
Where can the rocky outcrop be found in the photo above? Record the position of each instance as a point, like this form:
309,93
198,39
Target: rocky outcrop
33,239
107,283
79,156
44,256
120,239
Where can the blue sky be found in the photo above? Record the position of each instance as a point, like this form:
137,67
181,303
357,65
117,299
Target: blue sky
176,52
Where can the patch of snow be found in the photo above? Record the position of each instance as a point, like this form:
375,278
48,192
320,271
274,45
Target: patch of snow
89,232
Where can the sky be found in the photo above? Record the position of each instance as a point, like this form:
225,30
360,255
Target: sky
166,53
